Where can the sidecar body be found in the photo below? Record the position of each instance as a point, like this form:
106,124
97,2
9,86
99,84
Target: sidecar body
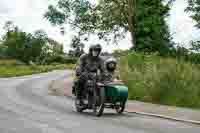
116,95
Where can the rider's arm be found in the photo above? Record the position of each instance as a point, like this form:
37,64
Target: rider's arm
102,70
101,66
80,65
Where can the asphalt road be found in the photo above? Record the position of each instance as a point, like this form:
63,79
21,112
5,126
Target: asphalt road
26,107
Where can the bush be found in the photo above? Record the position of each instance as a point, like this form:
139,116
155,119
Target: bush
2,56
61,60
162,80
193,58
55,63
11,62
184,54
70,60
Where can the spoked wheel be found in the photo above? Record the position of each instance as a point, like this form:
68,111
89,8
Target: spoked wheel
98,102
121,107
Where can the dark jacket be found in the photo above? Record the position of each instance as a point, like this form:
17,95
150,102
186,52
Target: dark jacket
87,63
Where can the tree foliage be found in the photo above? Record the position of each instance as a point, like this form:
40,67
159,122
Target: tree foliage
109,20
28,47
194,10
152,32
195,45
55,48
77,47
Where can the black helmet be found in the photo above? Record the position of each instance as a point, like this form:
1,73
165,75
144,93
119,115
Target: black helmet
96,47
111,64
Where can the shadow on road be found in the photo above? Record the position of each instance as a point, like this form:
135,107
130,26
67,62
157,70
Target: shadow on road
105,114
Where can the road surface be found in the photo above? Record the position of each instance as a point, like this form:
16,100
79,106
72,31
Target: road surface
26,107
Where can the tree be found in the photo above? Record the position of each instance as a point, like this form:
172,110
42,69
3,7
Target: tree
9,26
77,47
37,46
193,9
55,47
87,19
110,19
195,45
152,32
40,34
132,20
181,51
14,41
2,50
21,45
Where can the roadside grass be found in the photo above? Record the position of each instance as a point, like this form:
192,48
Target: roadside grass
10,62
161,80
13,68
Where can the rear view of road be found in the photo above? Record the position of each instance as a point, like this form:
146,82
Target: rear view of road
26,107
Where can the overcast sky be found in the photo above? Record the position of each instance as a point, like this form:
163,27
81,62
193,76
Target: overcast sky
28,15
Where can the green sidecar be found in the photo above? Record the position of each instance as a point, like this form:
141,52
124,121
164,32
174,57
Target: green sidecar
115,96
112,95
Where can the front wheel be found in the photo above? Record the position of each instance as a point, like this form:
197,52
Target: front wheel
98,106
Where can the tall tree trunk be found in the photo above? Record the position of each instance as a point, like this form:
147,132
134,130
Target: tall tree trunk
132,21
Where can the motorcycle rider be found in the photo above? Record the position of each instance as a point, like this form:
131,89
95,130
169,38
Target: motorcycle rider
87,63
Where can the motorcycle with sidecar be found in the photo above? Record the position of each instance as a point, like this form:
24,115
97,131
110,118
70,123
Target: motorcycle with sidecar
99,95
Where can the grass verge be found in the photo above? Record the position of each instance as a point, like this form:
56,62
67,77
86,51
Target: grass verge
22,70
161,80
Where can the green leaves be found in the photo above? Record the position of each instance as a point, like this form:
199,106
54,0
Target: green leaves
152,32
28,47
77,47
108,19
101,19
54,16
194,10
195,45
